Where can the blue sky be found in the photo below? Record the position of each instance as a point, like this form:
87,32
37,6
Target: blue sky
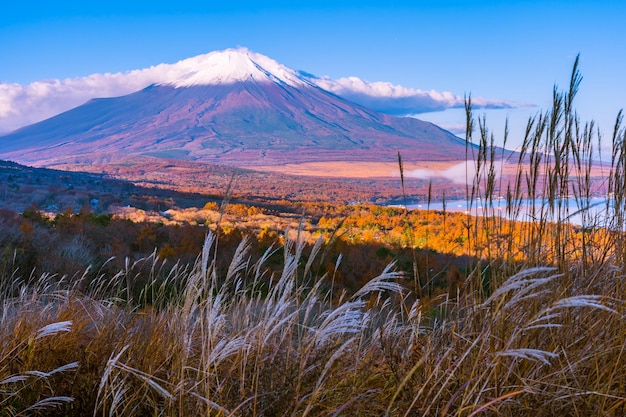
502,50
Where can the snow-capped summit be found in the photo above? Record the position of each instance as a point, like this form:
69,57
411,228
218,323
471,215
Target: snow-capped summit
231,66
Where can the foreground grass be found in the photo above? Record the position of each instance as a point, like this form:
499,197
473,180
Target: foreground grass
543,343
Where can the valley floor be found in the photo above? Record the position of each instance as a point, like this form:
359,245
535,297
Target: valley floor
355,169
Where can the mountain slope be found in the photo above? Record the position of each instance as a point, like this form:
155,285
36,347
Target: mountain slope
234,107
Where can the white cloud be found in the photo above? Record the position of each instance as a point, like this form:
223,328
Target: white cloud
459,173
399,100
21,105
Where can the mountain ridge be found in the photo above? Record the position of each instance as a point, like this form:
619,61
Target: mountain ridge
255,112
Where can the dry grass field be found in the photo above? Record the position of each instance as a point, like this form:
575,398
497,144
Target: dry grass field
352,169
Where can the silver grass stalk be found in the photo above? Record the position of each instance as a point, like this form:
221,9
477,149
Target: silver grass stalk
226,348
345,319
147,378
206,252
40,374
54,328
588,301
382,283
320,381
238,262
50,402
13,379
108,368
314,251
519,280
276,326
530,354
212,404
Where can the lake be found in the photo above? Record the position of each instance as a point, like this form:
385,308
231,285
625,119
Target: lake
596,212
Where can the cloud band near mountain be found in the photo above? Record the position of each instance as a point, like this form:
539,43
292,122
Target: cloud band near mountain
398,100
21,105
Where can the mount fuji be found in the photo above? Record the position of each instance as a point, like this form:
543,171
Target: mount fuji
232,107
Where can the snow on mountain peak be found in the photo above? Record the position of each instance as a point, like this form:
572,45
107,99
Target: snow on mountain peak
231,66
